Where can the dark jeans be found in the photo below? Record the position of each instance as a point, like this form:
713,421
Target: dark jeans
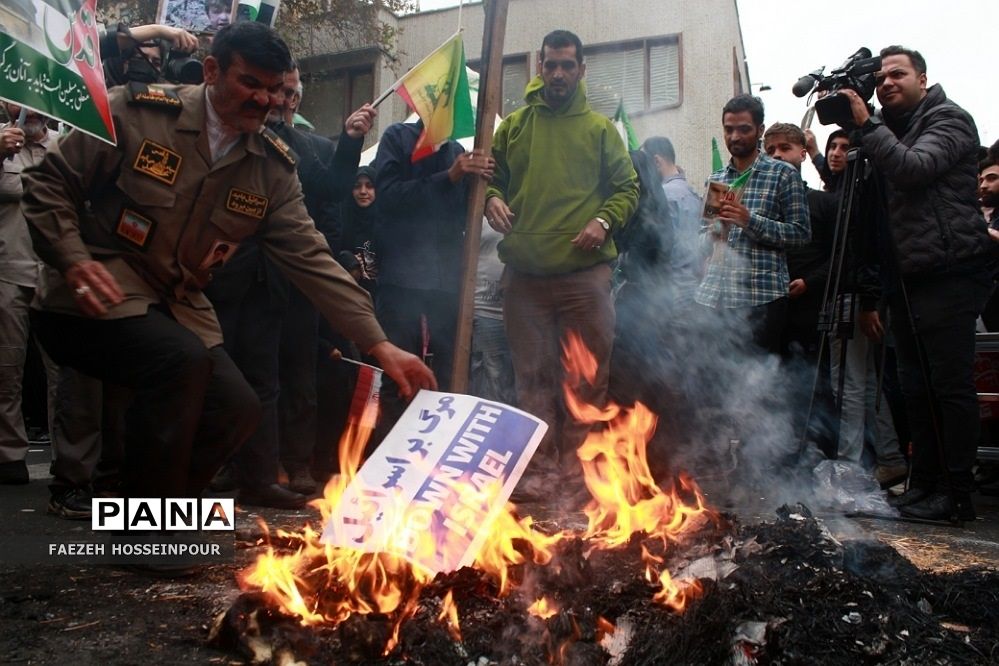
944,310
491,369
191,406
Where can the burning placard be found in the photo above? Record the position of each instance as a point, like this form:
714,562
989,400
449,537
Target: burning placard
433,487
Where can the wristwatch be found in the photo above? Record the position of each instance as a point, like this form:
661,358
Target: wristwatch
603,223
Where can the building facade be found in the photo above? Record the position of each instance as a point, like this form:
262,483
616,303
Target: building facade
674,64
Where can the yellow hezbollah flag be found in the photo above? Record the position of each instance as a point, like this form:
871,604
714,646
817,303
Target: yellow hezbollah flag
437,90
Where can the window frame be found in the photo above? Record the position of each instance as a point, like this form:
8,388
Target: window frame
349,73
508,59
646,44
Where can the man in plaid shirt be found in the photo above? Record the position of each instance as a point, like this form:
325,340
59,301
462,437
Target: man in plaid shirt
748,267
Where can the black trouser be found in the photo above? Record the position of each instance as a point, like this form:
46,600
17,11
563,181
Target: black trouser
250,312
767,323
399,312
297,372
945,310
191,407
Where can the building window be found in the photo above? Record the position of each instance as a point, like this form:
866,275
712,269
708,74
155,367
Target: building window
331,96
516,74
646,75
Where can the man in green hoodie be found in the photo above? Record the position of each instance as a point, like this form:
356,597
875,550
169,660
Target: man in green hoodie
563,183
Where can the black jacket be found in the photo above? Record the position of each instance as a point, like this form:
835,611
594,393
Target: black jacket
929,164
421,213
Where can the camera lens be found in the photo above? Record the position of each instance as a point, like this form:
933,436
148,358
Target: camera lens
184,69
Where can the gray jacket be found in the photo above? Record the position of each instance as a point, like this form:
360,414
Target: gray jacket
932,176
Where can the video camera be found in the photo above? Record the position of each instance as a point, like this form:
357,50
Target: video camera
132,64
181,67
856,73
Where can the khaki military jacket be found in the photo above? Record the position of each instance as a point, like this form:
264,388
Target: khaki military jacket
161,217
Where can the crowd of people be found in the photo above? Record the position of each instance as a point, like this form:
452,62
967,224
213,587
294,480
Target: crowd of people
197,290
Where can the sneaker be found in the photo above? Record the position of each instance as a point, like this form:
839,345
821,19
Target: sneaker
890,475
301,481
72,504
14,473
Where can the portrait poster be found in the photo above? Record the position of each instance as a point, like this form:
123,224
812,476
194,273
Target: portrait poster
197,16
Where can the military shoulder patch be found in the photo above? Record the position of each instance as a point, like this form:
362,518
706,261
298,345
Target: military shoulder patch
147,95
279,145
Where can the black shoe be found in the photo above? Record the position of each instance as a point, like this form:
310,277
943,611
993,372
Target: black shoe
910,496
14,473
273,496
941,506
72,504
301,481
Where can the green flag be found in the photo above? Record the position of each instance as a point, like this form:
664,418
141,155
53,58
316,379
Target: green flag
624,127
716,160
49,62
247,10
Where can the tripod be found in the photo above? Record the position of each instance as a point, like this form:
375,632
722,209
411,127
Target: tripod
859,190
836,316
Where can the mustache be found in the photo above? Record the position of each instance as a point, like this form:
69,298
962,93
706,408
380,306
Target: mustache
253,106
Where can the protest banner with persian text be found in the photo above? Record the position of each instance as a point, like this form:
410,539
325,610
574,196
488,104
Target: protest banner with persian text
50,62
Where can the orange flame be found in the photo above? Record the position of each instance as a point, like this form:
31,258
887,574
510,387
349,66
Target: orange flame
604,628
626,497
449,616
321,583
543,608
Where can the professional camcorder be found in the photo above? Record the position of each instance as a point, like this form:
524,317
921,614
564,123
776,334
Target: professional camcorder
181,67
857,74
135,63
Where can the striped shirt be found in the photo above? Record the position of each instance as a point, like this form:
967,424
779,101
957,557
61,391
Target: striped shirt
752,268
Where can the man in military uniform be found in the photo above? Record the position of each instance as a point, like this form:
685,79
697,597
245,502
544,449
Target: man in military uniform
135,232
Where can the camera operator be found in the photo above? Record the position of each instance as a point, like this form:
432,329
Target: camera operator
139,54
925,146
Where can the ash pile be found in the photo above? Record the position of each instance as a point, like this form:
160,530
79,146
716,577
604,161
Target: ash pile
781,592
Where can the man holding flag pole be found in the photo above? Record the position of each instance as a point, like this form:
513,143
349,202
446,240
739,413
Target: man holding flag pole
422,178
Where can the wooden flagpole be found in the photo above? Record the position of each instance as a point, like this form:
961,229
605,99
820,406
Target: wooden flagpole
493,34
